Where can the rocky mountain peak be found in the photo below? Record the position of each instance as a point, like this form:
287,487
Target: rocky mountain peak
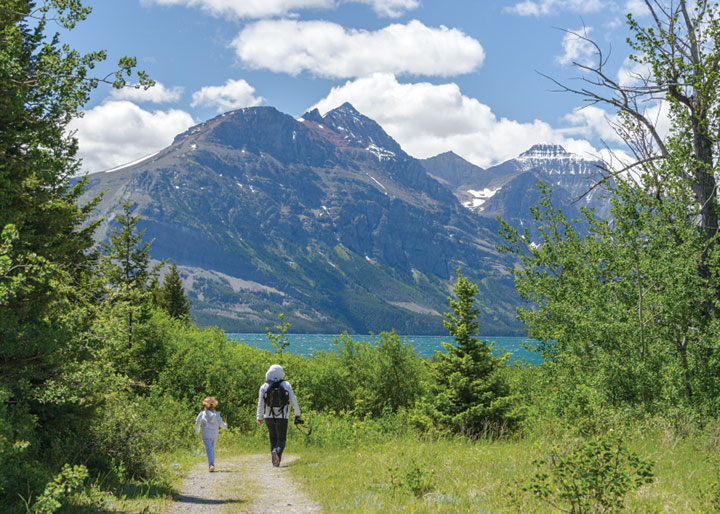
357,130
547,151
553,159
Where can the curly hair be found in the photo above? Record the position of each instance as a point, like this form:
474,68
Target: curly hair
210,403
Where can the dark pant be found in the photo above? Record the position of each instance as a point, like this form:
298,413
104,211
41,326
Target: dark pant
277,428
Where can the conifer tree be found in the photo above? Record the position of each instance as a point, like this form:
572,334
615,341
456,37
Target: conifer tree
46,236
172,297
127,271
471,393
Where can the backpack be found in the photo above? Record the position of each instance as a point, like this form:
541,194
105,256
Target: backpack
276,396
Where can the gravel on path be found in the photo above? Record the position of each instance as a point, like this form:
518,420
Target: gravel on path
246,483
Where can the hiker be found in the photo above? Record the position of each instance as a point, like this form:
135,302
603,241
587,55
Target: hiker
209,422
274,398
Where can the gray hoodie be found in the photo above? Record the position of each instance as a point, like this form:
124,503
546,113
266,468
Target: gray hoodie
276,373
209,421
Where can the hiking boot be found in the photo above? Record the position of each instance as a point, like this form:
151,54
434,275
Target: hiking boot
275,458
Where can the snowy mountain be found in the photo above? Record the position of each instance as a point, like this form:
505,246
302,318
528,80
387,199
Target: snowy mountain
509,189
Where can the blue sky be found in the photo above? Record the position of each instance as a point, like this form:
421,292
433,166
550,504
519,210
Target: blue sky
438,75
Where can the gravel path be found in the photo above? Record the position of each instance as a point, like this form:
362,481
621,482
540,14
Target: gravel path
246,483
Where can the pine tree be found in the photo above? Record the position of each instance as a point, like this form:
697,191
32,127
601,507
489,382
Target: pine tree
172,297
471,393
46,238
127,271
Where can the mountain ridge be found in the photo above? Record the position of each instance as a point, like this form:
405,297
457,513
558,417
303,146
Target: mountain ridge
323,218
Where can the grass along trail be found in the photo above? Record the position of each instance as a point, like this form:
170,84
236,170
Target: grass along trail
242,483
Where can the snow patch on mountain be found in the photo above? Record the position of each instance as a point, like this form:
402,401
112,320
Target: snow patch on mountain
480,196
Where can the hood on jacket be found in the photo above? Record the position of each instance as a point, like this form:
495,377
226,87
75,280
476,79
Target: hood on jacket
275,372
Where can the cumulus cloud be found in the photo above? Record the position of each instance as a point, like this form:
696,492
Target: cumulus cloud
267,8
118,132
329,50
428,119
633,73
156,94
637,7
592,121
551,7
233,95
577,48
391,8
247,8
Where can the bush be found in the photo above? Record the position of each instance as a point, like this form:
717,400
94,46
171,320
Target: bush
130,430
204,363
595,476
69,480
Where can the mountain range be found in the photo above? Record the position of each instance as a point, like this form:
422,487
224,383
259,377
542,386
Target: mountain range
327,220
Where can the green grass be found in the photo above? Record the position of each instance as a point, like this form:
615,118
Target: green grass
359,466
404,474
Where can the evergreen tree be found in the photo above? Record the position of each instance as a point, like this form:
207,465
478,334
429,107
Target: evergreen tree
46,261
128,276
472,395
172,297
46,236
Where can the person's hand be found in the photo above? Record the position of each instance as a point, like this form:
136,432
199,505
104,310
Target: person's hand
298,420
259,422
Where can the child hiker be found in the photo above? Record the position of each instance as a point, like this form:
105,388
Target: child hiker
209,422
274,398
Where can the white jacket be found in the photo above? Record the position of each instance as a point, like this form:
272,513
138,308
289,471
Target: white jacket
209,421
276,373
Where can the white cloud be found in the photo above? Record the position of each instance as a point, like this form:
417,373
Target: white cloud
591,121
391,8
428,119
633,73
233,95
576,49
637,7
268,8
156,94
551,7
118,132
330,50
247,8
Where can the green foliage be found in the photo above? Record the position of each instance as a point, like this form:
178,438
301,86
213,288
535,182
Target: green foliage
622,310
279,341
470,393
129,432
69,480
204,363
411,478
595,476
172,297
377,376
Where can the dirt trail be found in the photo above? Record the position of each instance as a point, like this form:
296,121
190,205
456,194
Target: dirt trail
246,483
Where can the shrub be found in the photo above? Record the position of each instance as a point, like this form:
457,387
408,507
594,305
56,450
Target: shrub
411,478
595,476
129,430
70,479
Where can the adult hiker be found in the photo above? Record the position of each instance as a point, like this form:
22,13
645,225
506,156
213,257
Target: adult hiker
274,400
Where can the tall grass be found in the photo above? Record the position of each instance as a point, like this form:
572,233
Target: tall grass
377,470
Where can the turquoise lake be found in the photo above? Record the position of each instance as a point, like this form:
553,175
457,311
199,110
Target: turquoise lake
307,344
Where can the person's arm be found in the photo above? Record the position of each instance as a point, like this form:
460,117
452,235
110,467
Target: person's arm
221,423
198,422
293,400
260,406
